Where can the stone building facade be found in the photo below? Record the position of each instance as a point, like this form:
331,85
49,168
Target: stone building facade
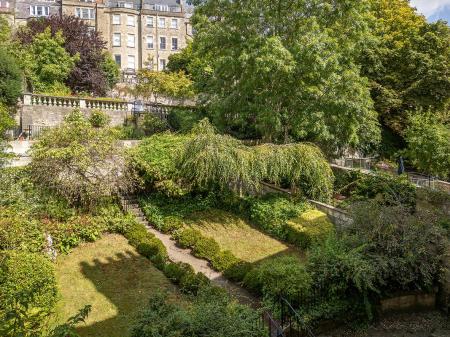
139,33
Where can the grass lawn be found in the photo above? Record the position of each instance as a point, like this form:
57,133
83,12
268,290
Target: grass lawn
235,234
111,276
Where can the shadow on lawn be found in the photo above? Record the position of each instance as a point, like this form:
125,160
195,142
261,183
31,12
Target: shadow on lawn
117,280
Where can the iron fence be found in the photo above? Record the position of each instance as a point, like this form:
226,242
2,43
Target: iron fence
28,132
294,324
269,325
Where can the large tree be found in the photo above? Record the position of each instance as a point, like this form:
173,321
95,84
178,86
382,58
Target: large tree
286,70
79,162
409,67
88,75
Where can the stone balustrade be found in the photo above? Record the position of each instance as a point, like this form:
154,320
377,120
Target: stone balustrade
76,102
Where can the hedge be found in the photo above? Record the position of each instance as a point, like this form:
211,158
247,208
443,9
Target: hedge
311,226
148,245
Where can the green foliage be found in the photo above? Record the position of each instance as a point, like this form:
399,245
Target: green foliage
48,61
10,79
428,141
224,261
278,276
28,293
213,160
211,314
111,70
184,119
68,329
345,279
295,77
154,84
6,122
188,237
99,119
206,248
154,161
385,188
81,163
310,227
407,65
153,124
17,232
405,250
272,212
147,244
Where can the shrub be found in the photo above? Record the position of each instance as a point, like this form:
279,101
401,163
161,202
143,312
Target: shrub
188,237
238,271
136,234
311,226
153,215
387,189
176,271
206,248
28,293
19,233
343,279
151,248
284,275
172,224
153,124
224,261
10,79
272,211
99,119
191,282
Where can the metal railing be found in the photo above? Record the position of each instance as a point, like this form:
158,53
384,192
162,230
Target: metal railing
293,323
30,132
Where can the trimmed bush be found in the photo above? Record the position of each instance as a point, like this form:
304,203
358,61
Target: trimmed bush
279,276
191,282
224,260
176,271
312,226
28,293
171,224
147,244
188,237
238,271
206,248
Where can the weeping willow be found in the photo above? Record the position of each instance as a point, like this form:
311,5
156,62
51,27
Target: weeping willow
210,159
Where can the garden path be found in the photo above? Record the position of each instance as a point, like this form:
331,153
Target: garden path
177,254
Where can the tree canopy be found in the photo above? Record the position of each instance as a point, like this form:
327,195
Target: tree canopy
286,70
90,72
409,65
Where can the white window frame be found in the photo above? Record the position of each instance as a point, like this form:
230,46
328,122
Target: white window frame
45,10
174,23
131,57
160,43
152,44
131,43
117,43
131,20
150,21
116,19
161,22
161,65
177,46
85,13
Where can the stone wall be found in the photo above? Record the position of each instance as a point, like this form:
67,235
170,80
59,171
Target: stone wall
411,302
40,115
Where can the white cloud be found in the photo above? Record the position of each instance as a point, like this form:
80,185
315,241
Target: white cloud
429,7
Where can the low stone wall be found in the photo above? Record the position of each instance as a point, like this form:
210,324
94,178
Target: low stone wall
43,115
338,217
411,302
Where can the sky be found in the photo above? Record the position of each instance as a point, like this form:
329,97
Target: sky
433,9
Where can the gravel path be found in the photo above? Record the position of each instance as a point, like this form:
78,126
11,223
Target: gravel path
177,254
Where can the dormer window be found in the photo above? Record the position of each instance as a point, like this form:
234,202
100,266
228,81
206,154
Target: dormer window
125,5
162,8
